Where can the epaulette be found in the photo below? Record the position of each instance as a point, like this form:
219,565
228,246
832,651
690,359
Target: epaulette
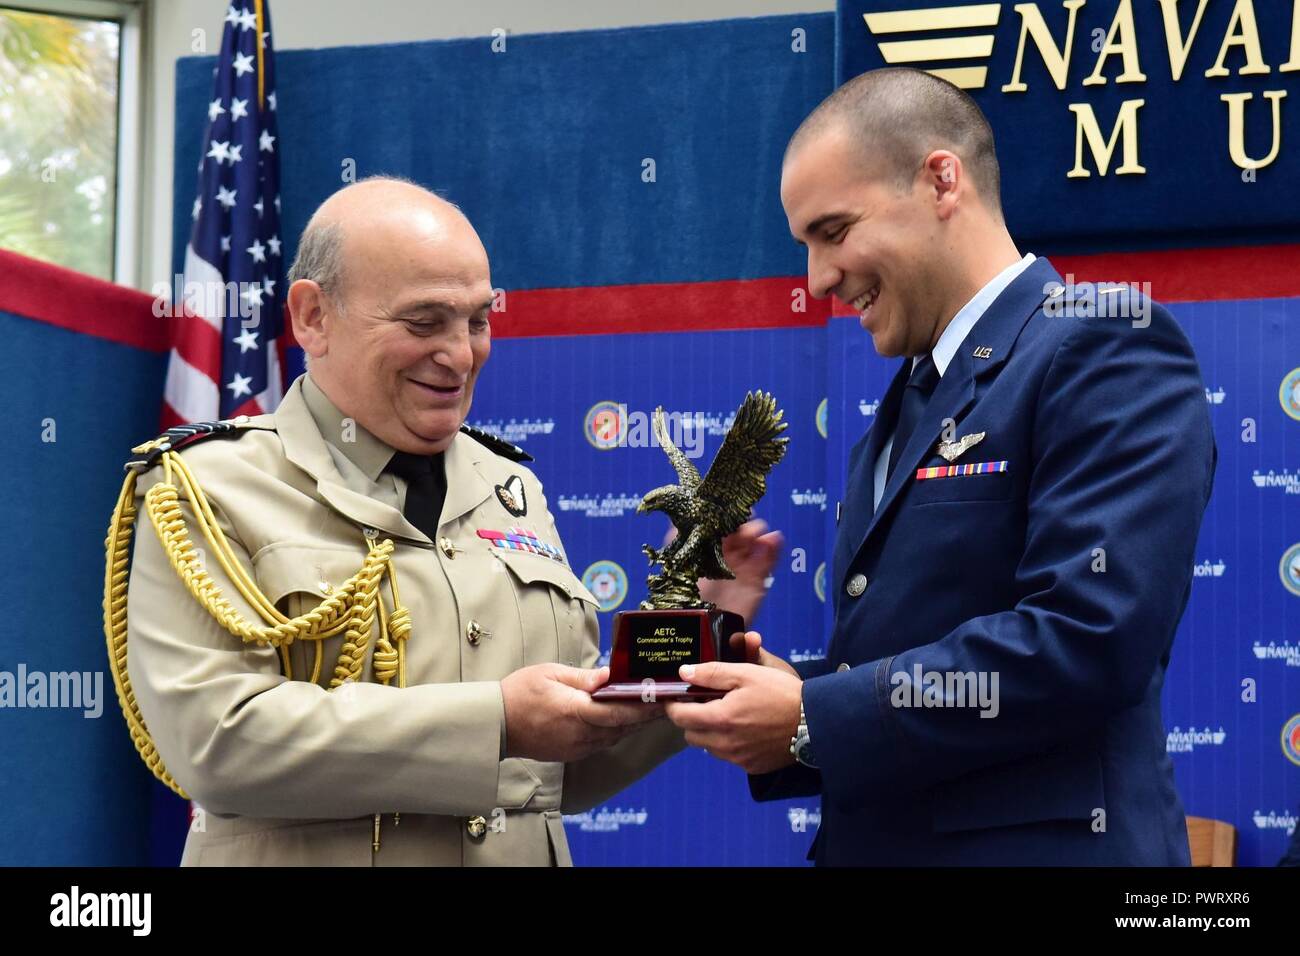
143,457
498,445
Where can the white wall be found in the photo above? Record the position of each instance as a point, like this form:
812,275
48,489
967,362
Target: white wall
169,35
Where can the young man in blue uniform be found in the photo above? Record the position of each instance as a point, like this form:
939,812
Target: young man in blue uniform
1016,540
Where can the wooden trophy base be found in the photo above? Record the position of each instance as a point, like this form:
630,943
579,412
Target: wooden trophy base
650,646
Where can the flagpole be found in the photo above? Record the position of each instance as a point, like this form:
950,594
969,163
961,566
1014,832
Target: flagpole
261,73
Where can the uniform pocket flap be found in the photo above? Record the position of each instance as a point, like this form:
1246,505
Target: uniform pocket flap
283,569
986,486
531,568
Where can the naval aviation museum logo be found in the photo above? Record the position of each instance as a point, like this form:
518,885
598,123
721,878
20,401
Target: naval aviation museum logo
1289,569
1289,393
1274,821
1272,651
1285,479
808,498
1179,741
517,431
819,582
1205,569
907,38
606,820
1291,739
609,505
608,582
822,412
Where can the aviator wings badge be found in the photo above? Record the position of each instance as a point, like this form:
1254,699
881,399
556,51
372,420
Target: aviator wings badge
952,450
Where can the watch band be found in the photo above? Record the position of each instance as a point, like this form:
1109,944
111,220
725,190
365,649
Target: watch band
801,742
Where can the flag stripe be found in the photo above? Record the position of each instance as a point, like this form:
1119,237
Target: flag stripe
196,341
190,393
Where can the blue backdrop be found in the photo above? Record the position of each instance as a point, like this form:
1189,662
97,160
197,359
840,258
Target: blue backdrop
70,780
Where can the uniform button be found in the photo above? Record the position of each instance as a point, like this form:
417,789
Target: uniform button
473,631
842,667
448,548
370,533
857,584
476,827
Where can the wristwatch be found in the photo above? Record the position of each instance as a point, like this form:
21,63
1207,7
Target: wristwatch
800,744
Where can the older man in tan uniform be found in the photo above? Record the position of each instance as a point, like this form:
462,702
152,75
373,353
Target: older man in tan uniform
488,735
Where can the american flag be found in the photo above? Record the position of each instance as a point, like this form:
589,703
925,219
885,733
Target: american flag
225,358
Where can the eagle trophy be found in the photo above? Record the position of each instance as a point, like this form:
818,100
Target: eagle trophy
706,510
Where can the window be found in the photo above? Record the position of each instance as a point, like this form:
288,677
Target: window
61,142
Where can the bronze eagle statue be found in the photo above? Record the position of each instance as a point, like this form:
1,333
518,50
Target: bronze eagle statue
706,510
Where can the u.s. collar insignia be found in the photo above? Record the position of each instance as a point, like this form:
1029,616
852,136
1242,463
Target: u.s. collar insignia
511,496
952,450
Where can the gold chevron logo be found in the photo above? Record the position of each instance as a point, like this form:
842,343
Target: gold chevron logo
939,50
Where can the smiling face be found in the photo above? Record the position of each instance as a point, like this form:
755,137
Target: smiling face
874,246
399,346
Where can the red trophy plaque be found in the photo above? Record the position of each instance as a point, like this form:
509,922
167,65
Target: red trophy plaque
674,626
650,645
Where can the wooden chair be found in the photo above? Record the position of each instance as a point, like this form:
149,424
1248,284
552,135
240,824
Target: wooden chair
1213,842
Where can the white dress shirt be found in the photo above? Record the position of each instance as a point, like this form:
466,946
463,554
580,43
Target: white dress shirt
948,344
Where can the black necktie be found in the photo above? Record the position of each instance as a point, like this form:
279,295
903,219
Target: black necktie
920,386
426,488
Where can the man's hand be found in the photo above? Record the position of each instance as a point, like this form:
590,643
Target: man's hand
751,552
755,654
550,714
752,725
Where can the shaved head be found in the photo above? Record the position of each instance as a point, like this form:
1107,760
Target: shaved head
896,116
321,257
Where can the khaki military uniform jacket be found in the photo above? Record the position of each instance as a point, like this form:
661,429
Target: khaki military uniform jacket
286,772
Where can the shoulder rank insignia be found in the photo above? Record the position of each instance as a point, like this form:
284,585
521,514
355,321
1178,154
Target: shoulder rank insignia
952,450
143,457
499,445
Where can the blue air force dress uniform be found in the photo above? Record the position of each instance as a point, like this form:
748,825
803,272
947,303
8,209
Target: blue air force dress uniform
1036,532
